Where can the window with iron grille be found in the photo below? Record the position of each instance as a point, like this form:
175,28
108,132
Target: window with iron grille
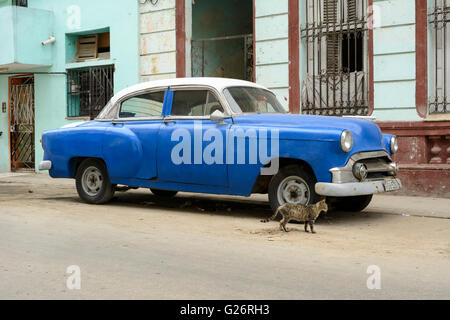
439,21
89,90
335,35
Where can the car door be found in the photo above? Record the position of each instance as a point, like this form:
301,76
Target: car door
130,144
191,147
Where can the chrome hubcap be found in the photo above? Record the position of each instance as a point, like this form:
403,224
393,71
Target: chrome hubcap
92,181
293,190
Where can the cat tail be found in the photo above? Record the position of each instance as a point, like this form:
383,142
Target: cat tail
272,217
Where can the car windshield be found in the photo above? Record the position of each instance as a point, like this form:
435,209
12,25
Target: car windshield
252,100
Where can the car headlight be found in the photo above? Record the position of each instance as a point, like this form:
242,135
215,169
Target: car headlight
394,144
346,141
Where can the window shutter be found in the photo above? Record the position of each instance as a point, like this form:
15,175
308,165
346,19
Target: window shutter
87,47
330,11
351,9
330,17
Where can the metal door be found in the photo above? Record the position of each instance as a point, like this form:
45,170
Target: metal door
21,117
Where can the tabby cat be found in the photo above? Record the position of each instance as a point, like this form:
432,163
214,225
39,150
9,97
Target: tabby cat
307,214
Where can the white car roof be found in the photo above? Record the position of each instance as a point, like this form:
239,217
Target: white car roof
217,83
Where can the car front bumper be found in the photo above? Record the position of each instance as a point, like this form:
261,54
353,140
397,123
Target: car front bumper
45,165
358,188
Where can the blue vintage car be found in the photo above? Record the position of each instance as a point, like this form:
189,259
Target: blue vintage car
221,136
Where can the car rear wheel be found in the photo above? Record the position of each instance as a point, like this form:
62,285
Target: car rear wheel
92,181
164,193
352,204
292,184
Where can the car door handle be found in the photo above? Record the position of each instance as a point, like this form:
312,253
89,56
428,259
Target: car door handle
117,124
169,122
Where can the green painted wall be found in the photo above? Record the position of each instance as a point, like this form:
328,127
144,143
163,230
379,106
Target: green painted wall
20,35
120,16
395,61
272,47
4,3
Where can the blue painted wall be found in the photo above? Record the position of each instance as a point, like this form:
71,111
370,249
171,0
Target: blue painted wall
120,16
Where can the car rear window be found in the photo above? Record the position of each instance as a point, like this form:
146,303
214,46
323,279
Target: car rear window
143,106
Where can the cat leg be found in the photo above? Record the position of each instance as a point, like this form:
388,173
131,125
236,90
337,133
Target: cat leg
306,226
283,225
311,226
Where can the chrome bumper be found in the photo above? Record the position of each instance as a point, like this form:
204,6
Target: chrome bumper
357,188
45,165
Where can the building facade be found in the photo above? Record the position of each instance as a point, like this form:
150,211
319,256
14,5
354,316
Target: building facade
91,52
387,59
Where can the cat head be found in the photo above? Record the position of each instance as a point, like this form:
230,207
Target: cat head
322,205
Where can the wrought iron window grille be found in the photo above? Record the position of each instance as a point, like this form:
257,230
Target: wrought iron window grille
439,19
89,90
335,35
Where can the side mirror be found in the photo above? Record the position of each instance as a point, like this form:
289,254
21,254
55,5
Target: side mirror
218,116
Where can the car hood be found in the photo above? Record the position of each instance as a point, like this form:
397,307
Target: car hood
367,135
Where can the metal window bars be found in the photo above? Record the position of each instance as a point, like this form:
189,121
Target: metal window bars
335,35
89,90
440,32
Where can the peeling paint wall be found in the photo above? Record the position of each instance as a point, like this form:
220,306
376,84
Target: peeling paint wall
272,47
157,32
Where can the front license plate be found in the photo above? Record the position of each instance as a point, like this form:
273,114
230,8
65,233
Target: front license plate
391,185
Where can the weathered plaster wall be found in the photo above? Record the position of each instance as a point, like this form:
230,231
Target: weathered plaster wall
272,47
395,61
157,31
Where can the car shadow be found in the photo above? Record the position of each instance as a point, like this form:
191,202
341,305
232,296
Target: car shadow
201,204
195,204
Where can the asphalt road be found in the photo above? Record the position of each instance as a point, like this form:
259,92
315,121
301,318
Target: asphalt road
210,247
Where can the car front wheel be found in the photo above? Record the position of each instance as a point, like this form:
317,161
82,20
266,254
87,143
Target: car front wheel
292,184
92,181
352,204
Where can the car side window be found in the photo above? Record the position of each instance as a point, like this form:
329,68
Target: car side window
143,105
194,103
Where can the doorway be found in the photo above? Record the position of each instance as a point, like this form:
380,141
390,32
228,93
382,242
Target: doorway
21,122
222,39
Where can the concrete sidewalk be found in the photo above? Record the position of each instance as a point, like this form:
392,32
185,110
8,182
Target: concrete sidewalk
413,206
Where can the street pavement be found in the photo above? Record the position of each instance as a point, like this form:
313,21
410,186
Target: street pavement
214,247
